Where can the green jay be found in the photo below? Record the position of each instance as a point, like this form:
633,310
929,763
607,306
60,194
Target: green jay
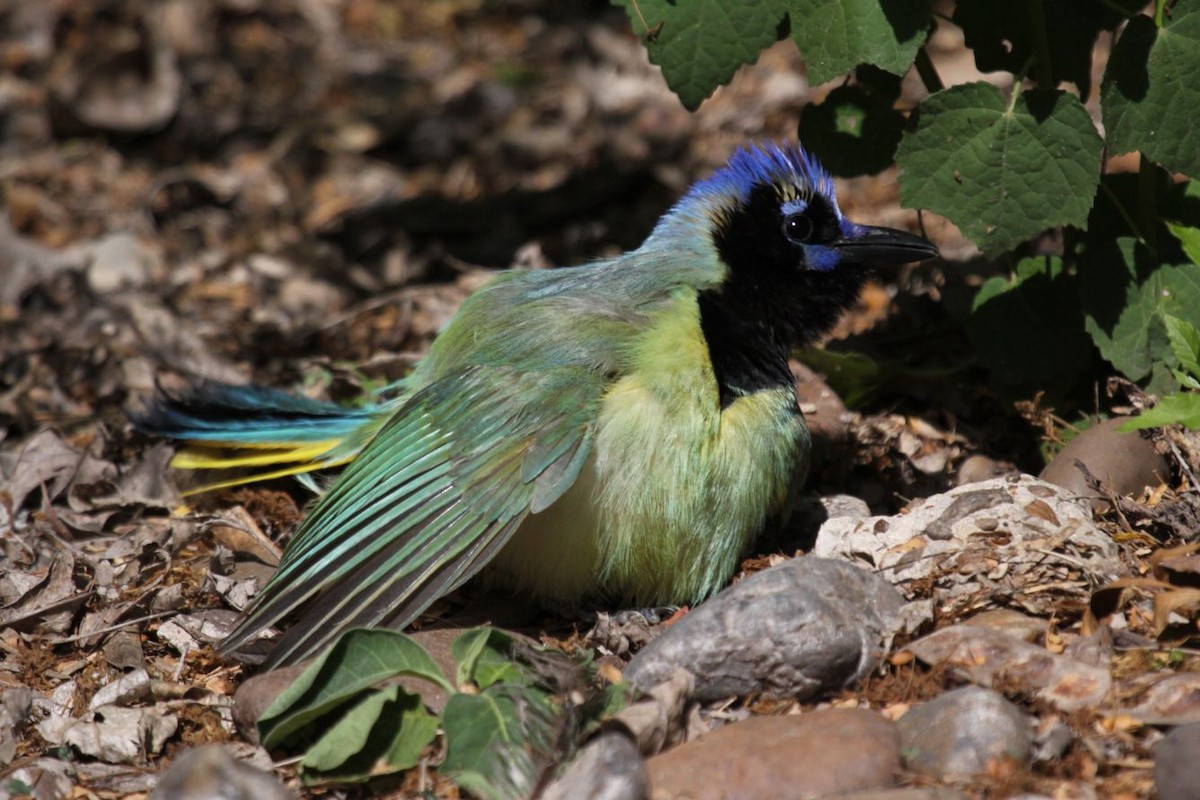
622,429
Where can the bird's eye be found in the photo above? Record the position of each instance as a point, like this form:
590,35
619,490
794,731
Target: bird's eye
797,228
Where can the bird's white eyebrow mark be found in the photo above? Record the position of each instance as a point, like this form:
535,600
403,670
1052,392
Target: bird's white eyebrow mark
796,206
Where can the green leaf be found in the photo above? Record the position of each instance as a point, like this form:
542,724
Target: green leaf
1029,330
1189,237
485,656
1185,343
386,731
358,660
1126,294
1182,408
495,739
855,377
835,36
855,130
700,43
1002,39
1002,175
1150,93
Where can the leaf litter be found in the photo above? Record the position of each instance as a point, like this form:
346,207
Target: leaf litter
296,193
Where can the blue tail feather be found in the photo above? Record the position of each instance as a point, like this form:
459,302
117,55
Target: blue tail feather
250,415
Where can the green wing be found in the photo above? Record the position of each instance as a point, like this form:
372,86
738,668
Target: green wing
434,496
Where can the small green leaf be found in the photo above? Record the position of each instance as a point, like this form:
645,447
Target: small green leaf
485,656
701,43
1182,408
1126,294
835,36
1185,342
359,659
1001,174
1150,92
1189,237
386,731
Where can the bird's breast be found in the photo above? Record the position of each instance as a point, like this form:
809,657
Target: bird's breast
675,488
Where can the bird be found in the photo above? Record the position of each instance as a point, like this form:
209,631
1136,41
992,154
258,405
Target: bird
620,430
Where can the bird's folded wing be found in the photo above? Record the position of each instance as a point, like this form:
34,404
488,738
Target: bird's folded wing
432,498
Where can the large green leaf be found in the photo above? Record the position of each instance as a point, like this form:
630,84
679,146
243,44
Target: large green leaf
1002,171
835,36
699,44
359,659
1151,92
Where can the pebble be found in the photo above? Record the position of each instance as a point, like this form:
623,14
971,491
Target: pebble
117,261
964,732
977,468
804,755
803,627
608,768
1177,764
210,773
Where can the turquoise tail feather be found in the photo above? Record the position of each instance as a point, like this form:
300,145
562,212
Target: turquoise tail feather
269,432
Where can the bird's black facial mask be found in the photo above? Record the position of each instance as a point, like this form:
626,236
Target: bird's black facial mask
793,265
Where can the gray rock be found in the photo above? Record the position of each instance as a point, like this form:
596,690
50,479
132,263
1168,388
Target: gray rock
1177,764
803,627
608,768
959,733
210,773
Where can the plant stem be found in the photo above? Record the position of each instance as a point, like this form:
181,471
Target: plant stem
927,72
1159,7
1147,202
1041,39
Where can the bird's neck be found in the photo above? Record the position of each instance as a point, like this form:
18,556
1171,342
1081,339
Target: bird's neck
751,328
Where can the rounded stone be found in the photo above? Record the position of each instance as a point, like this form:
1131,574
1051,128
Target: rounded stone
805,755
963,732
1125,463
1177,764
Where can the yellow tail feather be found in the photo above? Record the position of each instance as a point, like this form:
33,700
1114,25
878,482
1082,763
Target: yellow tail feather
301,458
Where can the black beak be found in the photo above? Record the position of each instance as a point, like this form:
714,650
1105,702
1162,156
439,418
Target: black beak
863,244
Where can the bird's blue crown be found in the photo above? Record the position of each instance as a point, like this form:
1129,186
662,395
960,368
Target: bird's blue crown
788,167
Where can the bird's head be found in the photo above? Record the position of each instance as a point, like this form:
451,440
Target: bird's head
786,256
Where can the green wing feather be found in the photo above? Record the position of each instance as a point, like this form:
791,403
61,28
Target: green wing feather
438,491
